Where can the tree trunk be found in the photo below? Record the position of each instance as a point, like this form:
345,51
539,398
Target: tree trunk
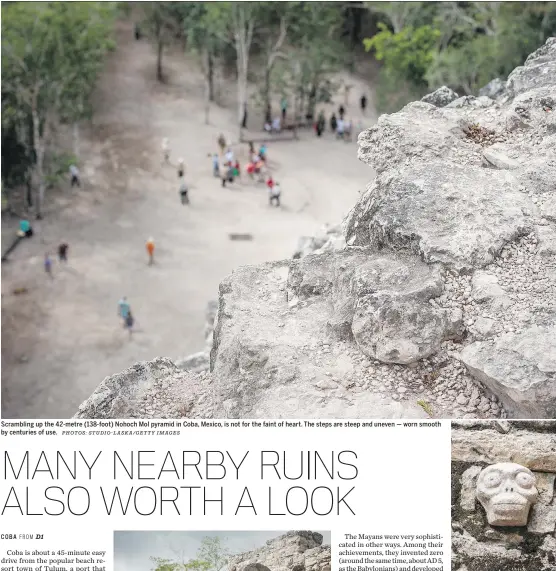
76,139
294,114
312,101
241,90
302,102
241,93
159,60
210,76
38,143
243,36
208,85
266,87
29,193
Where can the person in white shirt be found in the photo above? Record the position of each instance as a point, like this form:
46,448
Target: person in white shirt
275,192
347,130
74,173
166,149
340,129
229,156
184,192
276,125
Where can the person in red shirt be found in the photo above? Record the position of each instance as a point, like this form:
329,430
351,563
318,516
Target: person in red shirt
270,182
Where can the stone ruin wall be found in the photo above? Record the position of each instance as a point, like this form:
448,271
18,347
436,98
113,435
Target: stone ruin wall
478,546
293,551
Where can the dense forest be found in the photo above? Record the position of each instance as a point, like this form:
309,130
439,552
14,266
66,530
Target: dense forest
52,54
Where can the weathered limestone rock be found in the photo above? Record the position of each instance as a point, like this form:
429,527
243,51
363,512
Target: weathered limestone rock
418,133
539,70
548,208
154,389
398,330
470,101
269,319
519,368
195,362
307,245
497,158
468,493
486,445
485,286
383,299
330,238
484,326
476,212
547,241
200,361
493,88
293,551
441,97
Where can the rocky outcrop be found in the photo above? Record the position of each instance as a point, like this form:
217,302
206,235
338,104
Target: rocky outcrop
461,216
538,71
493,88
154,389
329,238
441,97
293,551
520,367
200,361
476,545
436,296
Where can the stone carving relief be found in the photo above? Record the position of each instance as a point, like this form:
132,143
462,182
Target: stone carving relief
507,491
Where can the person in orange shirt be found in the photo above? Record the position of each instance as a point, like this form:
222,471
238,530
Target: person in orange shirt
150,250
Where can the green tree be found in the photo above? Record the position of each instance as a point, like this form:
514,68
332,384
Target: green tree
88,24
276,19
424,45
407,53
51,53
481,41
234,23
399,14
214,552
317,52
202,39
197,565
162,564
460,44
211,556
162,20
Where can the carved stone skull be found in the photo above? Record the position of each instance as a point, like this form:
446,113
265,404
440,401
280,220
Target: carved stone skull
507,491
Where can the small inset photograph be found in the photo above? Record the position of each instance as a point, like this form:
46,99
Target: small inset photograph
503,495
222,551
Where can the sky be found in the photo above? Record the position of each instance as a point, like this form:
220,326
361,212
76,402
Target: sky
133,549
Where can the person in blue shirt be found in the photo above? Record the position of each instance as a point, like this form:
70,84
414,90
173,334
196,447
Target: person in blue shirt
123,309
215,165
129,321
48,265
25,228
